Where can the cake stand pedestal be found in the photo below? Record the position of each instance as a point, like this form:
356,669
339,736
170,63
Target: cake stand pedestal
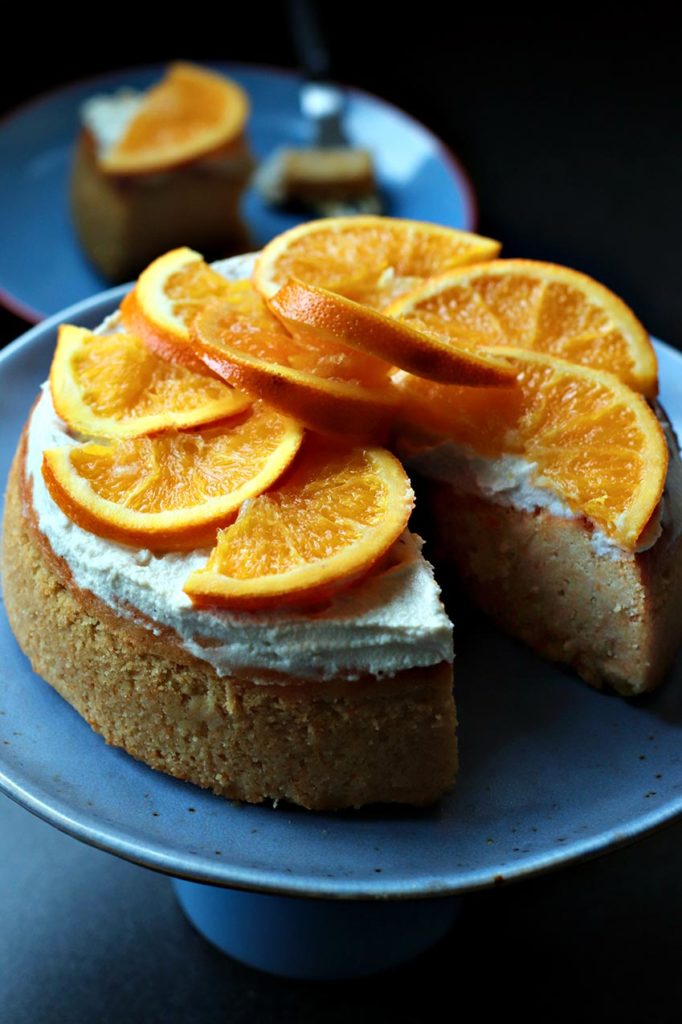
320,940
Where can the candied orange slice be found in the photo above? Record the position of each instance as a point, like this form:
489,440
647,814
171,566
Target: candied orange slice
332,518
190,113
369,259
535,305
320,315
114,386
168,295
171,492
591,439
261,364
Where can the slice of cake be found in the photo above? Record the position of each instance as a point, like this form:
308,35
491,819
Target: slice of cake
508,519
161,168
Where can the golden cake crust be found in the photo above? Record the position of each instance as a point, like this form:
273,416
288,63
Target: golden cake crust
321,745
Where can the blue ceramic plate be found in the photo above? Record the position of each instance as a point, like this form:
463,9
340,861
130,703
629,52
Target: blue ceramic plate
551,770
42,268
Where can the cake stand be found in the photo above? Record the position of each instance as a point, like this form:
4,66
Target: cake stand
552,772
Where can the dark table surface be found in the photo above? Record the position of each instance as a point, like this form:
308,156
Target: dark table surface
569,122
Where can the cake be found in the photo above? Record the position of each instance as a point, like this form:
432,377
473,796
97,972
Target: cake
265,663
135,194
348,704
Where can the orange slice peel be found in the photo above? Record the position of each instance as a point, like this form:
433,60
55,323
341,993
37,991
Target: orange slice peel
173,491
334,516
591,439
539,306
113,385
318,313
189,114
327,404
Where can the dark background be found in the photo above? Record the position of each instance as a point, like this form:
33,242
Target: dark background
567,117
568,121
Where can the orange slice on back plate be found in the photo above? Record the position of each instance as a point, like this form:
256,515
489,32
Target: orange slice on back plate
367,258
336,514
173,491
591,440
535,305
266,364
317,314
114,386
189,114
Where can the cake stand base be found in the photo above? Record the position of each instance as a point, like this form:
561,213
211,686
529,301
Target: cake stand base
311,938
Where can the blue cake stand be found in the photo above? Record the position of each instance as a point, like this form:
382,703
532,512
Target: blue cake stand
552,772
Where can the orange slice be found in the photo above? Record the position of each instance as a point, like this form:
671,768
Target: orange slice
189,114
173,491
320,315
590,438
168,295
261,365
369,259
539,306
114,386
337,512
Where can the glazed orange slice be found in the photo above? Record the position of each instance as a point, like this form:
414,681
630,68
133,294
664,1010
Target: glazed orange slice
189,114
114,386
168,295
173,491
319,315
535,305
589,438
253,327
335,515
369,259
261,365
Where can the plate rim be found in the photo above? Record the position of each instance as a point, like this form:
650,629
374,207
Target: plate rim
456,169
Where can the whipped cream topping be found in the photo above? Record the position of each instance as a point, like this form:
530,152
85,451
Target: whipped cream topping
108,116
390,621
505,480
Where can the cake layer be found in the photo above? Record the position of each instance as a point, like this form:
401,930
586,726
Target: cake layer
616,618
123,223
323,745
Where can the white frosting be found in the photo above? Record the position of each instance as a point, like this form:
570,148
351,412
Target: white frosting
505,480
107,117
392,620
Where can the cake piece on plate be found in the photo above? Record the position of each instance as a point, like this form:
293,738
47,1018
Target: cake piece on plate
161,168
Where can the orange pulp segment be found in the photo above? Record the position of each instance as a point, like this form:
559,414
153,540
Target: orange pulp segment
317,314
334,516
366,258
187,115
173,491
590,438
260,364
535,305
113,385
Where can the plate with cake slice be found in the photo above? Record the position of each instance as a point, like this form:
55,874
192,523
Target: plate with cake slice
63,190
207,557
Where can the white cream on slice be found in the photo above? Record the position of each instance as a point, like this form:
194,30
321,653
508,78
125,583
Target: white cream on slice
107,117
505,480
